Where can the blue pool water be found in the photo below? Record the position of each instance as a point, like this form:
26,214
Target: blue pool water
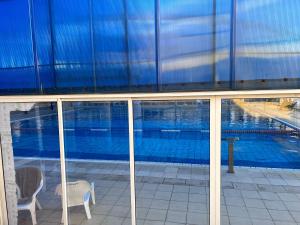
164,132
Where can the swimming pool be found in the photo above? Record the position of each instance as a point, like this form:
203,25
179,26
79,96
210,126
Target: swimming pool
176,132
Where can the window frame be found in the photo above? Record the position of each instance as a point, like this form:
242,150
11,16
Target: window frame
215,98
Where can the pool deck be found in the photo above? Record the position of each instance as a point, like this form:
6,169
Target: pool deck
288,117
172,194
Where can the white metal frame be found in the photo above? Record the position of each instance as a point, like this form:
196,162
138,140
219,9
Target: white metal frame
215,132
3,211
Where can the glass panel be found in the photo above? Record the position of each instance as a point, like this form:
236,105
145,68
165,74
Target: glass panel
172,162
30,152
267,44
182,24
141,43
111,47
260,161
72,43
16,59
97,162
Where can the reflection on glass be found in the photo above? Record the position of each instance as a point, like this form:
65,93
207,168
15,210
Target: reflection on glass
260,161
172,162
30,151
97,162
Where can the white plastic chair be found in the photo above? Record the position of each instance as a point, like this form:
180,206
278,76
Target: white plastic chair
79,193
29,182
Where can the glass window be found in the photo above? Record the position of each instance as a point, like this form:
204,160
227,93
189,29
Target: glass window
30,153
172,162
267,49
97,162
260,161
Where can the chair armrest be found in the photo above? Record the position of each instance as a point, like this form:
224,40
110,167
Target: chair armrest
38,189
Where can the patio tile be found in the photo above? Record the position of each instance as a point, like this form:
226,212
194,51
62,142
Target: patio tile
284,223
250,194
163,195
198,190
262,222
127,221
112,220
197,207
254,203
143,202
141,213
151,222
145,194
293,206
255,213
239,221
76,218
165,187
231,193
197,198
281,215
180,197
176,216
234,201
295,215
269,196
139,222
171,223
196,218
159,204
181,188
225,220
96,219
237,211
178,206
288,197
119,211
101,209
156,214
276,205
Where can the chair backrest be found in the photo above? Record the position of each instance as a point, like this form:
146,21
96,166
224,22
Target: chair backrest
76,192
29,180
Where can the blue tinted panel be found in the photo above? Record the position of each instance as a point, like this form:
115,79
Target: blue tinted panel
267,46
15,34
65,46
73,76
72,44
186,41
141,42
12,79
16,47
111,52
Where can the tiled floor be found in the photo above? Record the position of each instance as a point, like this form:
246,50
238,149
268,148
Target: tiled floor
172,194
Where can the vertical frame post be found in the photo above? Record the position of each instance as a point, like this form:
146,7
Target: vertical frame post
62,161
93,50
34,46
232,44
131,154
3,208
215,160
157,43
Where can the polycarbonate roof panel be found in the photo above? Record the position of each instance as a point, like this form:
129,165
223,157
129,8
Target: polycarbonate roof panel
93,46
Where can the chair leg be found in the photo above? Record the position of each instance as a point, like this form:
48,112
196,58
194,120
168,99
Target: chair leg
38,205
33,214
87,209
93,193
